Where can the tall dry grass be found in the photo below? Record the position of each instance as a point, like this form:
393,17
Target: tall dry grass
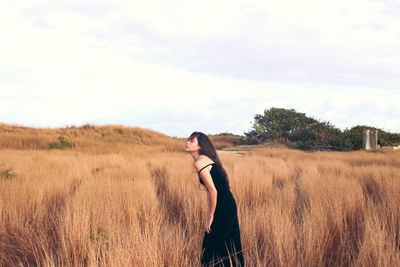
146,208
89,139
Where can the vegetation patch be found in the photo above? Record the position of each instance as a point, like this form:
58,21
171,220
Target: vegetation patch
296,130
100,235
88,126
6,174
61,144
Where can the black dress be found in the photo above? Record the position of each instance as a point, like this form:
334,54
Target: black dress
222,246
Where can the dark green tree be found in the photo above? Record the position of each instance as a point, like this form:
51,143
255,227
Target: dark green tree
288,125
278,124
354,137
319,136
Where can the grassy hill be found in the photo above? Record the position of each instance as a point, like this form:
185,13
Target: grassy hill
224,141
87,138
98,139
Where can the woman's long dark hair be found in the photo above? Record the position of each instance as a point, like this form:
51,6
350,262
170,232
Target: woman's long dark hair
207,149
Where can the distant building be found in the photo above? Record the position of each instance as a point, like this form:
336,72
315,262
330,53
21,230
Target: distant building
370,139
391,147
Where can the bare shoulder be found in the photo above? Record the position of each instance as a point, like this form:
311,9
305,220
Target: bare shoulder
198,164
201,162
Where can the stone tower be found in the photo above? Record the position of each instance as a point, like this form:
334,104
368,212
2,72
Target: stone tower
370,139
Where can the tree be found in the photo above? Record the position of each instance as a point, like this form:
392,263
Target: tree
278,124
283,125
354,137
319,136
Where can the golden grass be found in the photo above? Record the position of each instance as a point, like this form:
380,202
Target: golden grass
144,206
89,139
224,141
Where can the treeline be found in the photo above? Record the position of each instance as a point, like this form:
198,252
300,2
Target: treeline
300,131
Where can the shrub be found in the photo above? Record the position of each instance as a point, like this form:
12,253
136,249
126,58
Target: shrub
287,125
88,126
61,144
6,174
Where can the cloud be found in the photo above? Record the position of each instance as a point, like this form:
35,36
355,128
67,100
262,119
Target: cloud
211,65
342,42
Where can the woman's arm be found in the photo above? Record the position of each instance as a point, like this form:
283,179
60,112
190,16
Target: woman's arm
211,194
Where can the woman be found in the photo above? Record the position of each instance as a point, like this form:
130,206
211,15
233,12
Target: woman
221,243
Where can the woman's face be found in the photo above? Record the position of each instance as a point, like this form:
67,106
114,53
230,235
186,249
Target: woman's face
192,145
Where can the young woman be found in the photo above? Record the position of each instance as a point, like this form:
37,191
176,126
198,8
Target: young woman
221,243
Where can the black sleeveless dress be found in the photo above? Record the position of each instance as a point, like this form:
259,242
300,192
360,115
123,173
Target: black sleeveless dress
222,246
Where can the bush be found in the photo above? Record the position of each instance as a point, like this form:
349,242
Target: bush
287,125
6,174
61,144
88,126
224,134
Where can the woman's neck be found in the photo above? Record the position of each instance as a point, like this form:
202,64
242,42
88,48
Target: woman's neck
195,155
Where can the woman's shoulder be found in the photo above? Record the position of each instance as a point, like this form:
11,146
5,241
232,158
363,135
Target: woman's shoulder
201,162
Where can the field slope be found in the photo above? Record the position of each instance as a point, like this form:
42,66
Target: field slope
130,197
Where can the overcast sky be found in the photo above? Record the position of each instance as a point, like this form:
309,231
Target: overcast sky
180,66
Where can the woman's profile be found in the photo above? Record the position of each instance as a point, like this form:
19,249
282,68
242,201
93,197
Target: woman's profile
221,244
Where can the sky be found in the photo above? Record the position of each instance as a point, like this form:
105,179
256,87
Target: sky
182,66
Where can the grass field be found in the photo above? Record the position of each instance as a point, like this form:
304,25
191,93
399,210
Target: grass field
130,197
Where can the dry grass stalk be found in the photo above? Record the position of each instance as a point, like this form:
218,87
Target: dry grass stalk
143,205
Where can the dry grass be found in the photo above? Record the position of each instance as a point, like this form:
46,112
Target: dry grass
143,206
89,139
224,141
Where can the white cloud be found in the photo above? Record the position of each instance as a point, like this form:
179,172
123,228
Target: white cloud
173,66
